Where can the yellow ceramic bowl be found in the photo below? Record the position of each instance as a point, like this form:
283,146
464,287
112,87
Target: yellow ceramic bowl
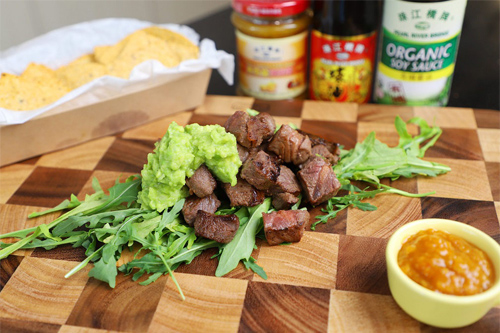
433,308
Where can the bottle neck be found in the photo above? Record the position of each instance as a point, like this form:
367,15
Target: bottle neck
346,17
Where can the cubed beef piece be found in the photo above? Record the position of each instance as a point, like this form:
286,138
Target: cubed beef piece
318,180
290,145
275,158
286,182
193,204
287,189
284,200
260,129
243,194
237,125
323,151
316,140
250,131
260,170
201,183
242,152
285,225
220,228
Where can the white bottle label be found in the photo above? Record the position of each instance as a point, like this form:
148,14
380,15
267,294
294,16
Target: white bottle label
272,68
418,52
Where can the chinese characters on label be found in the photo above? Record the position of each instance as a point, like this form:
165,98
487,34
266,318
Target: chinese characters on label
342,67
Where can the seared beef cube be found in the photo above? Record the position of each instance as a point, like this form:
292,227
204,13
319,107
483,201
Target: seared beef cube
260,129
201,183
334,148
284,200
287,189
275,158
237,125
290,145
285,225
250,131
260,170
243,194
323,151
220,228
242,152
193,204
318,180
286,182
316,140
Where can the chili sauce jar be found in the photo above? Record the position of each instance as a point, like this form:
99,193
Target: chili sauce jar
271,39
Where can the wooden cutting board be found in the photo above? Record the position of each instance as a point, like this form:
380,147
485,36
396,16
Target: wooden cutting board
333,280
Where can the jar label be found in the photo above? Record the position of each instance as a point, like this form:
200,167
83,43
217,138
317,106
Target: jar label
342,67
272,68
418,52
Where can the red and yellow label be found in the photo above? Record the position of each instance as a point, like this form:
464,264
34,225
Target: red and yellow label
272,68
342,67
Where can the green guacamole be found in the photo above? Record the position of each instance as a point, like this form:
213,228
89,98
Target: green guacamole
177,156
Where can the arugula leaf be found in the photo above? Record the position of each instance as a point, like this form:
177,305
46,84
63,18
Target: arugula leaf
251,263
252,112
354,197
98,202
105,270
297,205
372,160
409,143
94,220
242,245
66,204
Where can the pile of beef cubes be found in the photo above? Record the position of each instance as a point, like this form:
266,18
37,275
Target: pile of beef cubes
281,165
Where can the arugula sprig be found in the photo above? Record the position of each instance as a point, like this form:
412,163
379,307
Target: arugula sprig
164,242
119,194
106,224
371,160
243,243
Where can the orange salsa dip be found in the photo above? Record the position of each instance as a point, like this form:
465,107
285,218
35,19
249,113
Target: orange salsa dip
445,263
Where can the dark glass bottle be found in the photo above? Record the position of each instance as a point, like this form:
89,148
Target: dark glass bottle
418,51
343,45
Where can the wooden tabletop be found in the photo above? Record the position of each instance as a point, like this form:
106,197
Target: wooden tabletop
333,280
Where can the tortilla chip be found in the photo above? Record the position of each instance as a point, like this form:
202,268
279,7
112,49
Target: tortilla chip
141,47
36,87
81,71
39,85
183,46
9,88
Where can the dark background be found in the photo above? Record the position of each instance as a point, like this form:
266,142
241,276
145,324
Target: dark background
477,76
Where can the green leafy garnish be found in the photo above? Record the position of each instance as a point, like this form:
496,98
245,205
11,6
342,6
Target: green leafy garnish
120,193
242,245
252,112
106,224
251,263
372,160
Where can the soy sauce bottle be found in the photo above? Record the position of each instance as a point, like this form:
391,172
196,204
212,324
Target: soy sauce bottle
343,48
418,51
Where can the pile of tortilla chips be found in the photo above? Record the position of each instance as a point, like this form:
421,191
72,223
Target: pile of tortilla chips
39,85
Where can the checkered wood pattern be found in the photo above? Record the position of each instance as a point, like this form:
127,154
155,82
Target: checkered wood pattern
333,280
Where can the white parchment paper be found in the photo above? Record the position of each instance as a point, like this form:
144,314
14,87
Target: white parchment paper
61,46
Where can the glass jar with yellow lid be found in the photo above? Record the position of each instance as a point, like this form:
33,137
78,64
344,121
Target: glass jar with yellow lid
271,38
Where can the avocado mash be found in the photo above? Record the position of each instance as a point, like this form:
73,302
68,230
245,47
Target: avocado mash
177,156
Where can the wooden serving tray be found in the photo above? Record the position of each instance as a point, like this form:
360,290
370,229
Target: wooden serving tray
333,280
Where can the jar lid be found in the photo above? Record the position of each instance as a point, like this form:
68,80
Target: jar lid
270,8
